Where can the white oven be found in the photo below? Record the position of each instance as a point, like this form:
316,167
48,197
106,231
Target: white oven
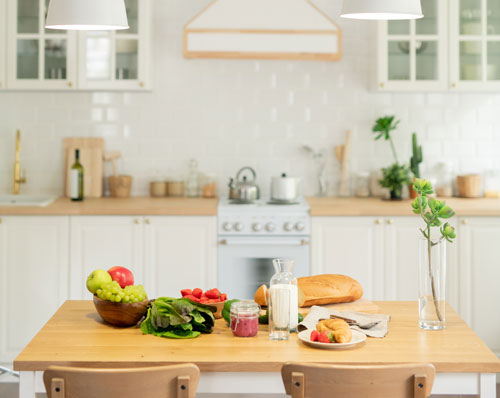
250,237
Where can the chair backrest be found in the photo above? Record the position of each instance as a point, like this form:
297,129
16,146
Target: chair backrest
176,381
325,381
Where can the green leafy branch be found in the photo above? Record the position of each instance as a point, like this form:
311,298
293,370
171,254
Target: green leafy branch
432,211
383,127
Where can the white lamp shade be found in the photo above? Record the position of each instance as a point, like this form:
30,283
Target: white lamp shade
382,9
87,15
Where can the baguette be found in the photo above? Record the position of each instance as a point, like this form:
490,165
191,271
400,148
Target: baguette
329,289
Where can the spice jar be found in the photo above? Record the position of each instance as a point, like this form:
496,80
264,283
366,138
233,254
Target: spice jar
209,186
245,318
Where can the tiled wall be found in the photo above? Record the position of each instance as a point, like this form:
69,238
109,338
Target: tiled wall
228,114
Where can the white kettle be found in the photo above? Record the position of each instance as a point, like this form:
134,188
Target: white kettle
284,189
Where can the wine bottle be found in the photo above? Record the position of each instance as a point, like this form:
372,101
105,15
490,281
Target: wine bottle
76,179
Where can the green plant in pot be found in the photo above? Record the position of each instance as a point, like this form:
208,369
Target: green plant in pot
432,254
415,161
396,176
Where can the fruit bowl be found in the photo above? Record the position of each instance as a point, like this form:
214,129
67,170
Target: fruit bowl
120,314
220,306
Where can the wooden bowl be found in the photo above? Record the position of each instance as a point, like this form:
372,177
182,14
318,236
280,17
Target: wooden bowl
220,307
120,314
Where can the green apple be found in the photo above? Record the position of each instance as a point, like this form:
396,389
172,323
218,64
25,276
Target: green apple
96,279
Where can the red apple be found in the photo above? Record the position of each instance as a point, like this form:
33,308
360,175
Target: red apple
121,275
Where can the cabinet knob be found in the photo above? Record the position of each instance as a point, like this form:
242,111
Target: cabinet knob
0,220
137,221
464,222
390,222
378,221
223,242
142,84
382,84
147,221
70,84
0,84
453,85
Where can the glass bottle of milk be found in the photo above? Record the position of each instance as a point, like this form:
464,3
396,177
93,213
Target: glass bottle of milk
283,300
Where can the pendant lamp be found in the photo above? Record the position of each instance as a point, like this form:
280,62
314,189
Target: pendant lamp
382,9
87,15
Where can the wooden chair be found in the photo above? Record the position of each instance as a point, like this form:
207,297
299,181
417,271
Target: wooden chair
324,381
176,381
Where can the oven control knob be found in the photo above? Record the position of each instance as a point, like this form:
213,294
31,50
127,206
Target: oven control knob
227,226
270,227
238,227
288,226
257,227
300,226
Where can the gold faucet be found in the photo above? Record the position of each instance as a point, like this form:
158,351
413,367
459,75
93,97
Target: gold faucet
17,166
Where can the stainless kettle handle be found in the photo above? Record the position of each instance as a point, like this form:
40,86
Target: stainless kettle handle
246,168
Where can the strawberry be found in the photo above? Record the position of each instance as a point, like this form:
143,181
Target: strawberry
192,298
323,337
314,335
197,292
186,292
223,297
213,293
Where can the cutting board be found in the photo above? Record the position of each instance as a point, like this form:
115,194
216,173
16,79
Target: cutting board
360,305
91,158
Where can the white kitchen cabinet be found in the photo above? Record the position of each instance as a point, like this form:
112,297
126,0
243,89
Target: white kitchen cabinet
118,59
480,276
180,253
413,54
380,252
475,45
102,242
165,253
38,58
3,41
455,47
33,277
351,246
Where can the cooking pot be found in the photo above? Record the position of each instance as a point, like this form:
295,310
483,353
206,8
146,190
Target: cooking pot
242,190
284,188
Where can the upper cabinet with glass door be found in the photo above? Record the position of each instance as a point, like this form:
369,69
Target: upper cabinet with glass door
118,60
413,54
475,45
37,58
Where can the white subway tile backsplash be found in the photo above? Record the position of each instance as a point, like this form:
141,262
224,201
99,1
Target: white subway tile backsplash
232,113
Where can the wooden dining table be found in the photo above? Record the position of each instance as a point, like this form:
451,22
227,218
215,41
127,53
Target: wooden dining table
76,336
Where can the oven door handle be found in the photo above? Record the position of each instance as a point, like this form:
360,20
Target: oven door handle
264,242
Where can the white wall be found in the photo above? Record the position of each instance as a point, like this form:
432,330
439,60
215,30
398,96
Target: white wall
229,114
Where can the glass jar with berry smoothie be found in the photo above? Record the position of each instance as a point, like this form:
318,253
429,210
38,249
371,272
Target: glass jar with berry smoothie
245,318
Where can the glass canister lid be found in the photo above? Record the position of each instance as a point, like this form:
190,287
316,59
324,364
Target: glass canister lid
245,307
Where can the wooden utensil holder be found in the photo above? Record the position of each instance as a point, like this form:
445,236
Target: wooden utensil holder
119,187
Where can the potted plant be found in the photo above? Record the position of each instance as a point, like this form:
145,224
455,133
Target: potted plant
432,255
415,161
396,176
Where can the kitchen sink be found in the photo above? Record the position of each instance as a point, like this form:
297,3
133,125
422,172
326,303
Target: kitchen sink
26,200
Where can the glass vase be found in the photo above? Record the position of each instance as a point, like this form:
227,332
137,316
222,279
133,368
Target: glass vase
432,284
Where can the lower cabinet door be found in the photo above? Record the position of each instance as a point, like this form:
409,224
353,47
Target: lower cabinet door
350,246
102,242
479,259
180,253
33,277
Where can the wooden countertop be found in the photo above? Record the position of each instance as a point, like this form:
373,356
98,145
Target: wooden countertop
333,206
115,206
76,336
326,206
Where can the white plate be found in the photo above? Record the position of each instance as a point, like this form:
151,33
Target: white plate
357,338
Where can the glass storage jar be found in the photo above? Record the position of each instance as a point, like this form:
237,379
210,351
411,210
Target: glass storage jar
245,318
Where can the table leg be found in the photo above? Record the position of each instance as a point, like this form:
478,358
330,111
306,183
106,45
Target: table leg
27,384
487,385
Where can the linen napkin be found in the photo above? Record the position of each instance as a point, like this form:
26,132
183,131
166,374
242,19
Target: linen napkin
362,320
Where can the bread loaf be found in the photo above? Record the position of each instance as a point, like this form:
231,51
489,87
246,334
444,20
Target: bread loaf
329,289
